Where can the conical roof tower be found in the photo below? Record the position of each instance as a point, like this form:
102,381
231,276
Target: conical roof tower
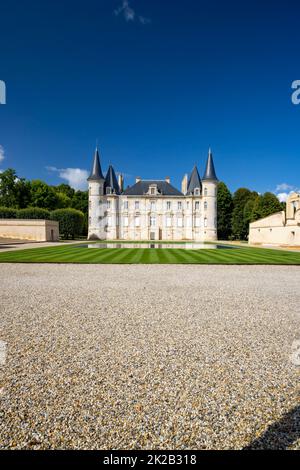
210,173
96,173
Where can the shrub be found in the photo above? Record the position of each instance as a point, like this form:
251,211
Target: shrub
70,222
8,213
33,213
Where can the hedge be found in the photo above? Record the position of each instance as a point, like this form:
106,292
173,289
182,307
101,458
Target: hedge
33,213
8,213
70,222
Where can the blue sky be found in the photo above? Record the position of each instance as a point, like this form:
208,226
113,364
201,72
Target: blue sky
157,83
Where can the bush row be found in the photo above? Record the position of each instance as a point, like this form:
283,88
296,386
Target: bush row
71,221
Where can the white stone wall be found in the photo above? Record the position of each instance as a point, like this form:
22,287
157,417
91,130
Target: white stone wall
159,217
29,229
276,230
96,210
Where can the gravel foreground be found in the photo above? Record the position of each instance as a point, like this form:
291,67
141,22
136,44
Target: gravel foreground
149,356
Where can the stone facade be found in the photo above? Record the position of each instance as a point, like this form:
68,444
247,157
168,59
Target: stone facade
152,209
282,228
29,229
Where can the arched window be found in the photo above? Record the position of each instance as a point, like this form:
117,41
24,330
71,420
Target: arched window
205,191
205,205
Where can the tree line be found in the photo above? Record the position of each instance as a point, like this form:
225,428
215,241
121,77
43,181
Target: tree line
36,199
236,211
21,198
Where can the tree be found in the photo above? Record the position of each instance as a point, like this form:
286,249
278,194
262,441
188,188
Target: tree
224,211
265,205
43,195
63,200
239,224
80,201
70,222
65,189
14,191
248,212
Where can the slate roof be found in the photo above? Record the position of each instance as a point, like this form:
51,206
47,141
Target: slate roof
111,181
210,173
96,173
194,181
142,187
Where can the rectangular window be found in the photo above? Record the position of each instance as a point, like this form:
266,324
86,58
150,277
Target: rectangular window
137,205
152,205
137,221
152,221
169,222
197,205
125,221
187,204
108,204
188,221
205,222
197,221
168,205
179,205
126,205
109,221
179,222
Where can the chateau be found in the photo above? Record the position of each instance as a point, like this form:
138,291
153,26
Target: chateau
152,209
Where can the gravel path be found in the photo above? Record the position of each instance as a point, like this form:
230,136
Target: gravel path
130,357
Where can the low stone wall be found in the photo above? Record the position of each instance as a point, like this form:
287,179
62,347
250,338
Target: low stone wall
29,229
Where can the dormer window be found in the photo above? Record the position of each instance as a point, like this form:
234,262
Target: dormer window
108,190
205,191
197,192
153,189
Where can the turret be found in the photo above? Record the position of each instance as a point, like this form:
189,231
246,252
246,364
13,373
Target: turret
194,185
96,192
111,185
209,200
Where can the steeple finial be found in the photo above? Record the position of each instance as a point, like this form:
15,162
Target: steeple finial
210,172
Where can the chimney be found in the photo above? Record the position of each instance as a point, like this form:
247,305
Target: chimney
138,179
184,184
121,182
168,179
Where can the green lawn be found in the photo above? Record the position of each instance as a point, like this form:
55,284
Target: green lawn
75,254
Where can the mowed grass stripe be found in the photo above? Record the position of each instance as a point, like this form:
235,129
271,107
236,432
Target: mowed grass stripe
76,254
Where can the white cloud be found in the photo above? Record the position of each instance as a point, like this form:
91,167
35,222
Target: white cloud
283,191
76,177
284,187
282,197
129,13
1,154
